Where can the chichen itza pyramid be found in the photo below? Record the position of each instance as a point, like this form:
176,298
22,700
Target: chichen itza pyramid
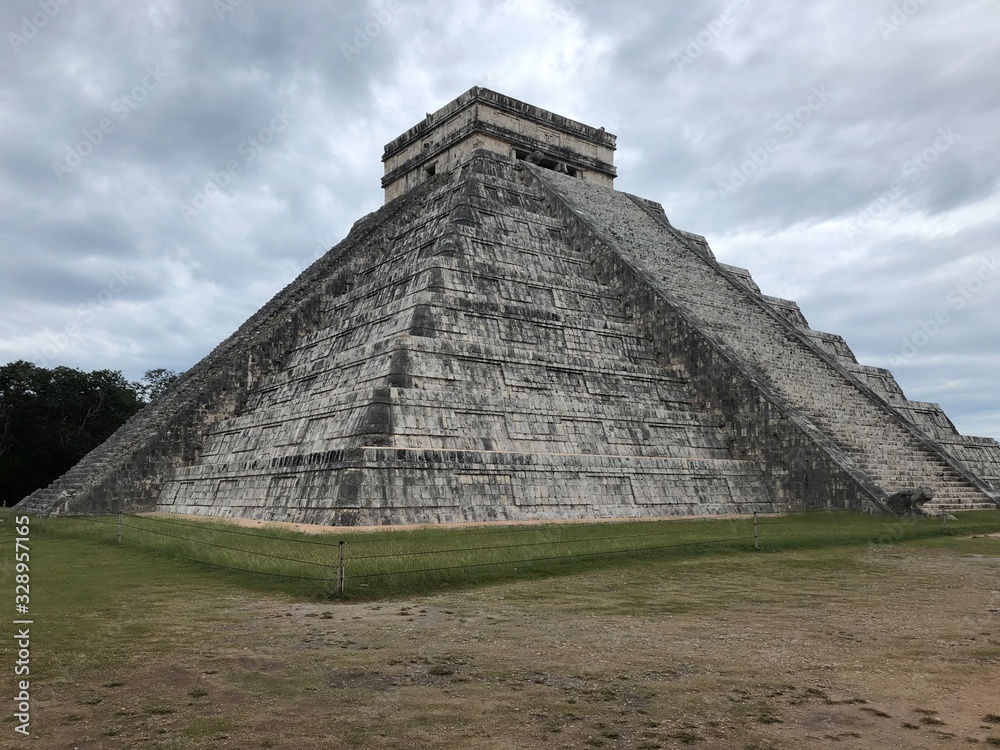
511,338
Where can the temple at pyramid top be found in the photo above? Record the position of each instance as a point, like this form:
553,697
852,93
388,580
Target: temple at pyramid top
484,119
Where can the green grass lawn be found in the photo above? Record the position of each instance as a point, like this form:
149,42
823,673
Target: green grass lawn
423,560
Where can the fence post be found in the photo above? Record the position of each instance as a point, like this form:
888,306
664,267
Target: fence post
756,539
119,528
944,517
340,568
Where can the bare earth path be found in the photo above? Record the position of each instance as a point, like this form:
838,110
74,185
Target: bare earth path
878,647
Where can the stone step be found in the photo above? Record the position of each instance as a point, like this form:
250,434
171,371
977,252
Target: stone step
957,507
731,314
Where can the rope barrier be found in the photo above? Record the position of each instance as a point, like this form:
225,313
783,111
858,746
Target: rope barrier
544,559
406,536
232,549
523,544
136,523
253,572
88,519
204,527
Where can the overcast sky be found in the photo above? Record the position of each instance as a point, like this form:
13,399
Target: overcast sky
845,151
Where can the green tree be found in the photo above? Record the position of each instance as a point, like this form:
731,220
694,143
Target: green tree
154,382
50,419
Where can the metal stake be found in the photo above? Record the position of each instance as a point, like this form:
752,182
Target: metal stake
119,528
756,539
340,568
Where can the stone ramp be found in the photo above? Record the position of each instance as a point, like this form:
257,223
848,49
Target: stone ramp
872,439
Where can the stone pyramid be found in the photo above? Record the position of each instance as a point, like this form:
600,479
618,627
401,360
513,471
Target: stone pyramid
510,338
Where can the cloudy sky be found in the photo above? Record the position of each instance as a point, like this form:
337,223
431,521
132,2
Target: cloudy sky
166,166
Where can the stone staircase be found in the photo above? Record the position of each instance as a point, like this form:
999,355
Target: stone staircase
875,440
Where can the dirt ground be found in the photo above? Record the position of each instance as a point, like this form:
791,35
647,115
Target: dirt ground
879,647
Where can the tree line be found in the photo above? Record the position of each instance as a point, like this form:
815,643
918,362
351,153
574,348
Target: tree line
51,418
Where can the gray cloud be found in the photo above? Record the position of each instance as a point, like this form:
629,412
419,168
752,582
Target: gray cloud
700,96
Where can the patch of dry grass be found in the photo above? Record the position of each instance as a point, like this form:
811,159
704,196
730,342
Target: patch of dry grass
816,648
